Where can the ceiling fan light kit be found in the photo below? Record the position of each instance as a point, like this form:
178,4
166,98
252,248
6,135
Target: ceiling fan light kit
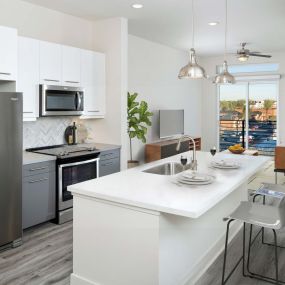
224,77
192,70
243,57
243,54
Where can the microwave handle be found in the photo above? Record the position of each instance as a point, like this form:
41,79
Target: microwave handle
78,100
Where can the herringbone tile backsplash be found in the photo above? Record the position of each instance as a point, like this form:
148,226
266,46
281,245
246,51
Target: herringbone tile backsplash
45,131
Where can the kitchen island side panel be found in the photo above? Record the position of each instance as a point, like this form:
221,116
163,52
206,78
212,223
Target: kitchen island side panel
126,245
189,246
114,244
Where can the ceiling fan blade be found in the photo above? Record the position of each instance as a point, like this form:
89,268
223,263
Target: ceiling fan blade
260,55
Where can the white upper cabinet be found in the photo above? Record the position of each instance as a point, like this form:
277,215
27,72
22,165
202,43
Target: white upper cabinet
28,76
50,63
70,66
93,81
8,54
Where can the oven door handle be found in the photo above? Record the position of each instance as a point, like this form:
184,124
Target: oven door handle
79,163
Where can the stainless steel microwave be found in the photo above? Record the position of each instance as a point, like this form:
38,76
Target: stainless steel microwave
61,101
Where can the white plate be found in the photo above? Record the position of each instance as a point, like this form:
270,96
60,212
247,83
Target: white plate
225,164
183,180
186,182
195,177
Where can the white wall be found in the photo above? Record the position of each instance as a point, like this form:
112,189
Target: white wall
112,39
153,70
45,24
210,97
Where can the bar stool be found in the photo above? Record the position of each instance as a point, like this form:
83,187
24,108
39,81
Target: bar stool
268,190
264,216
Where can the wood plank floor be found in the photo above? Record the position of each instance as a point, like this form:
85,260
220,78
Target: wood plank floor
44,258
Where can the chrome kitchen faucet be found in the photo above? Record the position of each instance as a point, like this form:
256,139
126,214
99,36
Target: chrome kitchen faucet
193,164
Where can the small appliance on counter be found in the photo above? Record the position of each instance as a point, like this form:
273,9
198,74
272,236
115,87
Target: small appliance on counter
74,164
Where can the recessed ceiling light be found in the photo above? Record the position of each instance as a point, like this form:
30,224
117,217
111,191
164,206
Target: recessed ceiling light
213,23
137,6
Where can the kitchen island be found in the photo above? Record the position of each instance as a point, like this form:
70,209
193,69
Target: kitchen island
138,228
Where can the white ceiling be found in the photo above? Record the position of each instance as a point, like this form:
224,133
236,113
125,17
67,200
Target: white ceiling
259,22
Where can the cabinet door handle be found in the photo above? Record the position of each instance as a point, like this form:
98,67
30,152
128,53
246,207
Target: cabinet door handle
39,180
96,111
68,81
39,168
5,73
51,80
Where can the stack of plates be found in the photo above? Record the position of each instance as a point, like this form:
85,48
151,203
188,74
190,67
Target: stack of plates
195,178
225,164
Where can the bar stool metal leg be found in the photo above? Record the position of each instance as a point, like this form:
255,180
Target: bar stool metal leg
225,279
243,252
259,276
249,249
225,252
276,256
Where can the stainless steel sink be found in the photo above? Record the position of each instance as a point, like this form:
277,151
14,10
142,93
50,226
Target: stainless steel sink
169,168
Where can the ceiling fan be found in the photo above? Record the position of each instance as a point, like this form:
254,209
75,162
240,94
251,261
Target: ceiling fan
243,54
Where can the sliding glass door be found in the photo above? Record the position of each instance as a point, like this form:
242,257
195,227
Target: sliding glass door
262,122
248,116
233,99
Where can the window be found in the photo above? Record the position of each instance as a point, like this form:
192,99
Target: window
248,115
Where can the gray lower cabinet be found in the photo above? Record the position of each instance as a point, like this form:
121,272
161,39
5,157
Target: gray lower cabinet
38,198
109,162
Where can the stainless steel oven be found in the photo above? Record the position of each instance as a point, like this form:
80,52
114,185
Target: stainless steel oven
61,101
70,173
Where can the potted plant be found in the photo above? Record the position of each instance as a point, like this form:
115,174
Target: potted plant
138,121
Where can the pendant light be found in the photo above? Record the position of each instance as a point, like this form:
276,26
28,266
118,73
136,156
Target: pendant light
225,77
192,70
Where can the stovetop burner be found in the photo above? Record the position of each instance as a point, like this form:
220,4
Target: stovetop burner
62,151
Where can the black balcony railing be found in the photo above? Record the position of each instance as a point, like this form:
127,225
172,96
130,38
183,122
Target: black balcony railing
261,135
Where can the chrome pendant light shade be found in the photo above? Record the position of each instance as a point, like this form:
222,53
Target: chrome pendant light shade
192,70
224,77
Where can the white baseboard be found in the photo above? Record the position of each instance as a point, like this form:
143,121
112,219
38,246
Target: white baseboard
78,280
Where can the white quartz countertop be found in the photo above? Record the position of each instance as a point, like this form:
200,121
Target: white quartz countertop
158,192
30,157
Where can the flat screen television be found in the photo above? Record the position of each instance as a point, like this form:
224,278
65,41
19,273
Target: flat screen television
171,123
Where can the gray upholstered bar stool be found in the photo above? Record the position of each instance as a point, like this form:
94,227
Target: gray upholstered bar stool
268,190
264,216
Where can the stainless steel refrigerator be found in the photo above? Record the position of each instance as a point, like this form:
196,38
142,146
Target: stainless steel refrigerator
11,151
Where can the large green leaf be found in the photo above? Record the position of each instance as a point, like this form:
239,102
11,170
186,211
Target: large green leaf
139,118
